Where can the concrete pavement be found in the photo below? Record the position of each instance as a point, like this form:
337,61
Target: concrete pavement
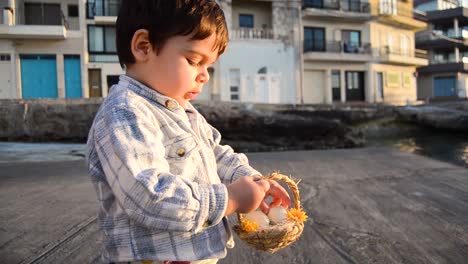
370,205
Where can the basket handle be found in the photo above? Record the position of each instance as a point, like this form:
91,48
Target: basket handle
291,184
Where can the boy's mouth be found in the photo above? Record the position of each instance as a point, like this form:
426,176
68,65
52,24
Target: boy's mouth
191,95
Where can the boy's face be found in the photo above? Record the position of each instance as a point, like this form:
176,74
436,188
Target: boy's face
180,69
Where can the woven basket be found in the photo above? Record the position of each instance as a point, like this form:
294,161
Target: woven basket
274,237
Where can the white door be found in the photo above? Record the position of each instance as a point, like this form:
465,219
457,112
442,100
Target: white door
314,87
274,84
5,78
261,88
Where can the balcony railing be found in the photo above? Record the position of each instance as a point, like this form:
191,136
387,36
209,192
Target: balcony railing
449,60
343,5
251,33
390,8
387,50
102,8
336,47
57,18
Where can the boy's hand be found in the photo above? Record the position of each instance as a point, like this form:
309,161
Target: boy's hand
279,194
246,194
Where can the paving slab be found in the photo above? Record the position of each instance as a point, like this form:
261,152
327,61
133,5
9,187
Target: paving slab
369,205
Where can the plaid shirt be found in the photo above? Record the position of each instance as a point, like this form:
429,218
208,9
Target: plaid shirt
160,175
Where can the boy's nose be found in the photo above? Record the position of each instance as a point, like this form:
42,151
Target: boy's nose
204,76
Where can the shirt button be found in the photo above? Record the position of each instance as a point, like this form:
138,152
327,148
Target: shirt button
181,152
170,104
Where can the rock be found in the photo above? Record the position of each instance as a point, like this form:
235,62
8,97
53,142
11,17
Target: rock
436,117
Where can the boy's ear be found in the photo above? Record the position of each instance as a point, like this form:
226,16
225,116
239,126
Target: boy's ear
141,46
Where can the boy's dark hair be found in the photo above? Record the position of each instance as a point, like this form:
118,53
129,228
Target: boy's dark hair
168,18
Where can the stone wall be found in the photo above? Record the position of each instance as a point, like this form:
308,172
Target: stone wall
247,127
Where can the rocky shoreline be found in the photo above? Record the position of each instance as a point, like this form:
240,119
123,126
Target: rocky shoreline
246,127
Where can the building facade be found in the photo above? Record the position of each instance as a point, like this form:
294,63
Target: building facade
41,49
446,41
281,51
360,51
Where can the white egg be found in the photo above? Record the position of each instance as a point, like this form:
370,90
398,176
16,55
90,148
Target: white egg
277,214
260,218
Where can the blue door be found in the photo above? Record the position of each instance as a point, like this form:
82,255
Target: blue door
445,86
72,77
39,76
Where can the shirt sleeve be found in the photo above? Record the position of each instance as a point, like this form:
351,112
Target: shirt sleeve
130,146
231,165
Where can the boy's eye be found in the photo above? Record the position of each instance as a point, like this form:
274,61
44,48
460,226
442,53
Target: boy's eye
193,63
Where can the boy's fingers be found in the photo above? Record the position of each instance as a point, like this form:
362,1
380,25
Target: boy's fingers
264,207
276,202
279,193
264,185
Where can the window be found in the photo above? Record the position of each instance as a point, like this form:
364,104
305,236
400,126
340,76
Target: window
313,3
101,40
111,81
405,46
234,84
103,8
352,80
388,7
5,57
234,93
336,87
73,11
246,21
314,39
42,14
351,40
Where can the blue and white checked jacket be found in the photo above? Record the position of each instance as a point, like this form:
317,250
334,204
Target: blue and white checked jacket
160,174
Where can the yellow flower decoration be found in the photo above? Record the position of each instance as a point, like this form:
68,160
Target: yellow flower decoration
297,215
249,226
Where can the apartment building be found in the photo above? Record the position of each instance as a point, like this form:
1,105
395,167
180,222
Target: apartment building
280,51
102,63
262,63
446,40
356,50
41,54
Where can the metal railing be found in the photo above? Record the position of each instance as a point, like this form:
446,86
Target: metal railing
102,8
391,8
342,5
18,16
462,59
251,33
388,50
336,47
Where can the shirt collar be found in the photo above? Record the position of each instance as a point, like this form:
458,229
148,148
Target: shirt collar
151,94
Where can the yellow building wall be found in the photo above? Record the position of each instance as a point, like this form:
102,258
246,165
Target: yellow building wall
405,7
399,83
380,36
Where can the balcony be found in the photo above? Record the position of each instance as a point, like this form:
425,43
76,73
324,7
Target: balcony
337,10
34,27
102,11
437,39
407,57
389,12
251,34
336,51
446,65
